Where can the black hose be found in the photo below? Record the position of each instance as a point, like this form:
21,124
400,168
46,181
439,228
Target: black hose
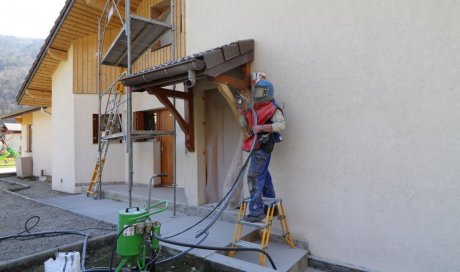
216,248
226,198
114,244
255,118
183,252
54,233
218,204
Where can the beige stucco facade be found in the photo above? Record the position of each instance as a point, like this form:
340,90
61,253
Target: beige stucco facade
63,128
74,154
42,143
368,169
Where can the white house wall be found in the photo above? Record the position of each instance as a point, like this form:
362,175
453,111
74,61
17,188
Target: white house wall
144,101
42,139
86,152
369,165
63,128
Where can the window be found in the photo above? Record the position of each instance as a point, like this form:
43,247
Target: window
145,120
116,128
162,12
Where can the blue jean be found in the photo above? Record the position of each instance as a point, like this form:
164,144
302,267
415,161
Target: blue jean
259,181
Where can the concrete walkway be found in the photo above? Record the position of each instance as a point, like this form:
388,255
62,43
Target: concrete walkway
220,235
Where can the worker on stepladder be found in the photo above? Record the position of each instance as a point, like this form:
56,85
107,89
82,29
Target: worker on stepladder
270,121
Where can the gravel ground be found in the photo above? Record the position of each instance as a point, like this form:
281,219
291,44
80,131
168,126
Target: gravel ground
16,210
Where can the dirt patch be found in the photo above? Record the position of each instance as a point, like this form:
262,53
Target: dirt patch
16,210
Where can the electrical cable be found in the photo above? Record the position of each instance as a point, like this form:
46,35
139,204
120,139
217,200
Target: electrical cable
27,229
22,237
216,248
51,234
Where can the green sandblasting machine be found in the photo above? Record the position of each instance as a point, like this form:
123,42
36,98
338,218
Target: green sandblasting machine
130,242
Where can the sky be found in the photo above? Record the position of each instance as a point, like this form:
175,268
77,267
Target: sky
29,18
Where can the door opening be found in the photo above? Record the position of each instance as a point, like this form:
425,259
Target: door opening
166,123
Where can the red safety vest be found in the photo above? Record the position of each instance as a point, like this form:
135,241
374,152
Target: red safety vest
264,111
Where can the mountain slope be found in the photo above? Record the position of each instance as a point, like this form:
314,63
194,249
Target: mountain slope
16,58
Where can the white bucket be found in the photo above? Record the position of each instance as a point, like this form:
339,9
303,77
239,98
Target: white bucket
65,262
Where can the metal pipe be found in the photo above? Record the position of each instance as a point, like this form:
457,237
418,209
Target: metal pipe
170,71
128,142
191,81
173,56
99,108
150,187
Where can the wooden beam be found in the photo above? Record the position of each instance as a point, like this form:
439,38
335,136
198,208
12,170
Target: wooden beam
38,94
96,4
182,122
168,93
186,122
242,84
225,91
188,116
57,54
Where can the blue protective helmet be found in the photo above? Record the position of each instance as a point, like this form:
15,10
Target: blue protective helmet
263,91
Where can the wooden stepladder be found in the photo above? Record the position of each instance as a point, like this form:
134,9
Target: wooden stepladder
109,121
273,204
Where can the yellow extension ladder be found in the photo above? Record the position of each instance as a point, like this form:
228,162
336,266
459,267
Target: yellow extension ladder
110,120
273,204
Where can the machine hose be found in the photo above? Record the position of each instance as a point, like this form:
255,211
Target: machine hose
54,233
216,248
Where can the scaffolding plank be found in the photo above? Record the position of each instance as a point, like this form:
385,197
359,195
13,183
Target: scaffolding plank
139,134
144,32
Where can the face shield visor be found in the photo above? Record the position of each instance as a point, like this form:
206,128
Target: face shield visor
261,94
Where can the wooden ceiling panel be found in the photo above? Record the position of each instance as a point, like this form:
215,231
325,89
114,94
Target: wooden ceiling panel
61,45
67,35
81,24
41,87
51,61
67,28
31,101
38,94
85,19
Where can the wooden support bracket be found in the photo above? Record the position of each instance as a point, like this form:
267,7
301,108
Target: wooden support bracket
225,91
38,94
186,122
57,54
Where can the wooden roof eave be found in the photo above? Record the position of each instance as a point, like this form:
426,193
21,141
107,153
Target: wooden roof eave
214,65
73,26
43,51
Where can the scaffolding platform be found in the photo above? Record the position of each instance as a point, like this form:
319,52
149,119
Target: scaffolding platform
144,32
139,134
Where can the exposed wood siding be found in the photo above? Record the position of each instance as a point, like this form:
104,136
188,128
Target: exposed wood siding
85,64
152,58
85,58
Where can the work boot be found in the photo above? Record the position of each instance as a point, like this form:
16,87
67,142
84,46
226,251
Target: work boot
254,218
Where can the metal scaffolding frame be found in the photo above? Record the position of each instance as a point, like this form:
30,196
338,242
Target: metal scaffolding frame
145,29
